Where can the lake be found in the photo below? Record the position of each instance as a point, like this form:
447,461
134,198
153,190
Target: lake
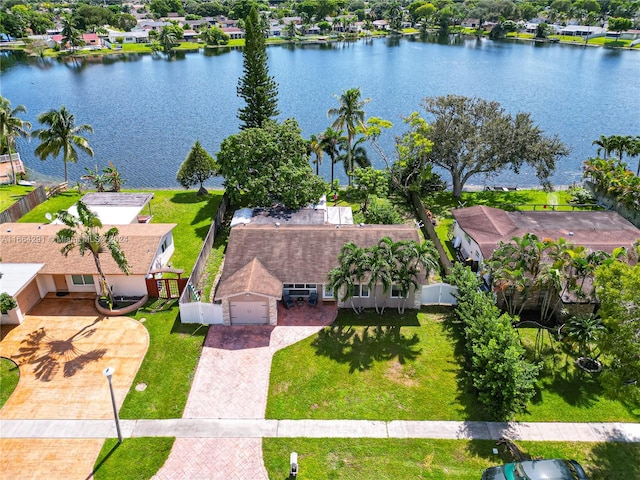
147,111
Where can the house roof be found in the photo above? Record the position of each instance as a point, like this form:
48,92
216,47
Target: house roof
596,230
34,243
300,253
252,278
15,276
117,199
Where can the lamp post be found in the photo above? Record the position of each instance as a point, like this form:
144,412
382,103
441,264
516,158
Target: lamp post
108,372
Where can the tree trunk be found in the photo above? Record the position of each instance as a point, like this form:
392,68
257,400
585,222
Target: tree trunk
13,169
103,278
457,185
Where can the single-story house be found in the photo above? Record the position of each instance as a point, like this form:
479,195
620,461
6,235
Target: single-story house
134,36
117,208
265,261
41,268
89,39
581,30
471,23
234,33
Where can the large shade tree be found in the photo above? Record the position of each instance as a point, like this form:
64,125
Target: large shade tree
85,232
350,116
11,127
256,87
473,136
62,136
269,165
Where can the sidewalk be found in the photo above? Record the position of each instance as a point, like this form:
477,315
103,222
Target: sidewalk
259,428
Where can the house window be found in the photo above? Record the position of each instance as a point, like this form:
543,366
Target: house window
395,291
299,285
82,279
361,291
288,285
327,292
165,244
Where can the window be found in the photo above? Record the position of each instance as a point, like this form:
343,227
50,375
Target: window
82,279
288,285
361,291
395,291
299,285
327,292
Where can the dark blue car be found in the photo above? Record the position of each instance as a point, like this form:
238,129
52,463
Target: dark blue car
537,470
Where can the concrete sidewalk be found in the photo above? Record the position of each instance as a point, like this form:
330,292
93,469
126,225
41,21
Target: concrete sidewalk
258,428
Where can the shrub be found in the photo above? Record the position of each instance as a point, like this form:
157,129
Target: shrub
382,214
7,302
580,195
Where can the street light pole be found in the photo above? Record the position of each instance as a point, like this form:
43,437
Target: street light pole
108,372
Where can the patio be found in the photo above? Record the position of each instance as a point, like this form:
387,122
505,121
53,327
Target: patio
305,315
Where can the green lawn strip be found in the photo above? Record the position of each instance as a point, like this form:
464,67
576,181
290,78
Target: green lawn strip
400,459
60,202
9,194
378,372
133,459
409,373
216,256
167,368
9,377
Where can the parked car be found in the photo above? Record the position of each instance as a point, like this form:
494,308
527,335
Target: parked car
537,470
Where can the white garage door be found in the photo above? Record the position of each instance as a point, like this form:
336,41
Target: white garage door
249,312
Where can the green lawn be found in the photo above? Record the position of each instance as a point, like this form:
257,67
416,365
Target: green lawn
400,459
52,205
9,377
9,194
406,368
133,459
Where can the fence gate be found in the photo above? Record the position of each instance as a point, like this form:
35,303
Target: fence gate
165,287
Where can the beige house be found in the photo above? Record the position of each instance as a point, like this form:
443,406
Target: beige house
37,266
263,262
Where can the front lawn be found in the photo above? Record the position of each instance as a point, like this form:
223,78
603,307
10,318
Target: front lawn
9,377
9,194
135,458
405,367
400,459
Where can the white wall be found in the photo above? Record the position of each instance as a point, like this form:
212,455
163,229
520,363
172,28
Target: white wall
163,257
467,244
45,284
132,285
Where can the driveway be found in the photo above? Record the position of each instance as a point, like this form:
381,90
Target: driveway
61,348
232,381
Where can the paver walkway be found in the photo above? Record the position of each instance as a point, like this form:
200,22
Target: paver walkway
232,381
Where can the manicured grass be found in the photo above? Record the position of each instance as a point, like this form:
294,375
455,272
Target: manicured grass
9,377
133,459
400,459
9,194
168,366
52,205
399,367
406,368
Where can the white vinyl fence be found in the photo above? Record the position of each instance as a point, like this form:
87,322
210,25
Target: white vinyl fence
201,312
438,294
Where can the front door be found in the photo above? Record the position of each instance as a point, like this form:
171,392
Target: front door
60,282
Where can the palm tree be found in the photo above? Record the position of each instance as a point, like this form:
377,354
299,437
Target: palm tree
604,145
62,135
167,39
379,270
11,127
633,150
315,147
349,116
330,141
85,233
71,35
96,177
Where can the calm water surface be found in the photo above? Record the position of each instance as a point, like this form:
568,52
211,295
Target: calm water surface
147,111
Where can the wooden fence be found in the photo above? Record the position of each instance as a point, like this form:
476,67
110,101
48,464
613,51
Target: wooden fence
192,314
24,205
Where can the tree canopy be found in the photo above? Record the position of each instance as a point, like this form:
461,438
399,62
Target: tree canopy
473,136
269,165
256,87
196,168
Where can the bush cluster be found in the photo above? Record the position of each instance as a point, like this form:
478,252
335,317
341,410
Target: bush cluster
494,358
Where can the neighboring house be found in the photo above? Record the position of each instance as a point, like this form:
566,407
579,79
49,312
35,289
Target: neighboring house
380,24
117,208
471,23
281,256
89,39
478,230
233,32
40,268
6,172
581,30
189,35
153,25
134,36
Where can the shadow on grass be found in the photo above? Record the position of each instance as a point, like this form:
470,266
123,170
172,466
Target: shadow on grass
614,461
441,202
361,347
369,318
102,462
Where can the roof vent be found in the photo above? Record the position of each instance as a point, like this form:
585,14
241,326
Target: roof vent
9,230
571,234
361,224
337,226
277,224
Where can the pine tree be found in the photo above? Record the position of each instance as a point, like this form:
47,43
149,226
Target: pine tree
256,87
196,168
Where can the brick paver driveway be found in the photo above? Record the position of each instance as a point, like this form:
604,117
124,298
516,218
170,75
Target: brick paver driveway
62,347
232,381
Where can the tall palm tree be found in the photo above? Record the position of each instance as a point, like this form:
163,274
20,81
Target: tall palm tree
379,270
11,127
167,39
62,136
633,150
70,34
85,233
315,147
330,141
603,144
349,116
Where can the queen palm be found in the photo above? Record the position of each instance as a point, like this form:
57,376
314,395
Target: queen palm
315,147
11,127
349,116
70,34
62,135
86,233
167,39
330,141
604,145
